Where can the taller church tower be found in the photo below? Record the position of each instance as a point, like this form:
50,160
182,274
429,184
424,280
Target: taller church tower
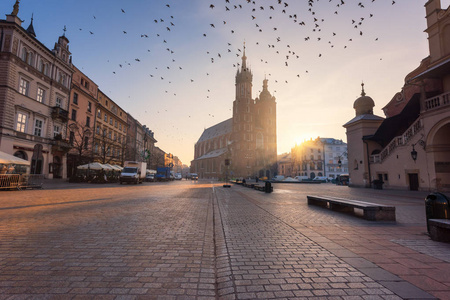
242,148
254,137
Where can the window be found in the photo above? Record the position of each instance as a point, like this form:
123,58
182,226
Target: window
120,126
24,54
21,124
88,121
89,106
98,129
24,87
106,118
86,142
71,137
99,113
59,102
56,130
74,114
40,95
119,138
110,121
38,125
115,136
115,124
96,148
75,98
110,134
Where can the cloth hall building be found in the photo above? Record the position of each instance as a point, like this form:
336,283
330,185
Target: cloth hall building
248,140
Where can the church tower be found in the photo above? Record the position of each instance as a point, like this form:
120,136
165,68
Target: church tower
265,133
243,158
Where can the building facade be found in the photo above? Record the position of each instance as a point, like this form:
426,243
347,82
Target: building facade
82,108
110,131
410,148
335,154
248,140
34,96
308,159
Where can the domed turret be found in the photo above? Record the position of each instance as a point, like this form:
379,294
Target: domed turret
364,105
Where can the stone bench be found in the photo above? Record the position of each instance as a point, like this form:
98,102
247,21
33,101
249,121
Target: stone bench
372,211
439,230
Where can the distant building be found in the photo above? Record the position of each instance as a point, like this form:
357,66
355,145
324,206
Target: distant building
410,148
248,140
308,159
335,157
34,96
285,165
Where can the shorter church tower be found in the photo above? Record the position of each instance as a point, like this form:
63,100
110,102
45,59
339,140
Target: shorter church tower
265,133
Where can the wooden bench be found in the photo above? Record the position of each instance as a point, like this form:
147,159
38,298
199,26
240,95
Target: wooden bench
372,211
439,230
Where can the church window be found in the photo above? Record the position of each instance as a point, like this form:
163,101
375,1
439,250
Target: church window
24,54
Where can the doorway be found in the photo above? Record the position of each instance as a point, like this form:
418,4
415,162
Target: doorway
413,181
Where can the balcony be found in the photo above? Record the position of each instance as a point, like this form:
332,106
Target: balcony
59,113
437,102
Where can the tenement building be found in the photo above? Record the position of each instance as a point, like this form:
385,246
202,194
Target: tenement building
410,148
247,141
34,96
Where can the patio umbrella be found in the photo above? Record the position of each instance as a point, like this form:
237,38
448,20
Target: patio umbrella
9,159
92,166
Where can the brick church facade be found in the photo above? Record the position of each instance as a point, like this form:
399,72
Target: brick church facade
248,140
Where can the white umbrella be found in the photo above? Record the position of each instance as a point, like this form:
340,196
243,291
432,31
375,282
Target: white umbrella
118,167
9,159
114,168
93,166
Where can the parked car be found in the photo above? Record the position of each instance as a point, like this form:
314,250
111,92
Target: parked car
178,176
321,179
194,176
150,177
278,178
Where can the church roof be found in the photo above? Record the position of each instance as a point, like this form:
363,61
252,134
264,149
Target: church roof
364,117
213,154
217,130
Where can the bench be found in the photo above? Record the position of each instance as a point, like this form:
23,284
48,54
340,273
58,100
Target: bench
439,230
372,211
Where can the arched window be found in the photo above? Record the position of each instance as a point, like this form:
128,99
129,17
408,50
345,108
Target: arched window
21,154
24,54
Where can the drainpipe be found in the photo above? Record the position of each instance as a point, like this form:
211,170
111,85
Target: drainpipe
368,162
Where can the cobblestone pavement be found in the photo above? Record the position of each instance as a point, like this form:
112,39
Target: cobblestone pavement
198,240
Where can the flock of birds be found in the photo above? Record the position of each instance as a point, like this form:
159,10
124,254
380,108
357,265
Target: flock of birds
268,25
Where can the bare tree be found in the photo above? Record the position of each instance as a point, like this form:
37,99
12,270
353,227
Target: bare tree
105,147
80,140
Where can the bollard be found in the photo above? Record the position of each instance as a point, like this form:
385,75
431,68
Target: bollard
268,187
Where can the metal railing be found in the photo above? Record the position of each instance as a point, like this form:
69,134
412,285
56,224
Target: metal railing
9,181
18,182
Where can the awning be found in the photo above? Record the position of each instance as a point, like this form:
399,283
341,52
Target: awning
94,166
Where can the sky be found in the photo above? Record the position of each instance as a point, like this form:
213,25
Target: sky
172,64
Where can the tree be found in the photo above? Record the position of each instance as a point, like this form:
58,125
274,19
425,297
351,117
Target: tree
104,147
80,140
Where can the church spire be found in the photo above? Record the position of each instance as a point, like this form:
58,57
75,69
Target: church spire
244,60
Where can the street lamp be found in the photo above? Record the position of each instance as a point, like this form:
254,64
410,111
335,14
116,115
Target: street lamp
414,153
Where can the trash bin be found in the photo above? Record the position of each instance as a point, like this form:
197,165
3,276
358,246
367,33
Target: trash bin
436,207
268,187
377,184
